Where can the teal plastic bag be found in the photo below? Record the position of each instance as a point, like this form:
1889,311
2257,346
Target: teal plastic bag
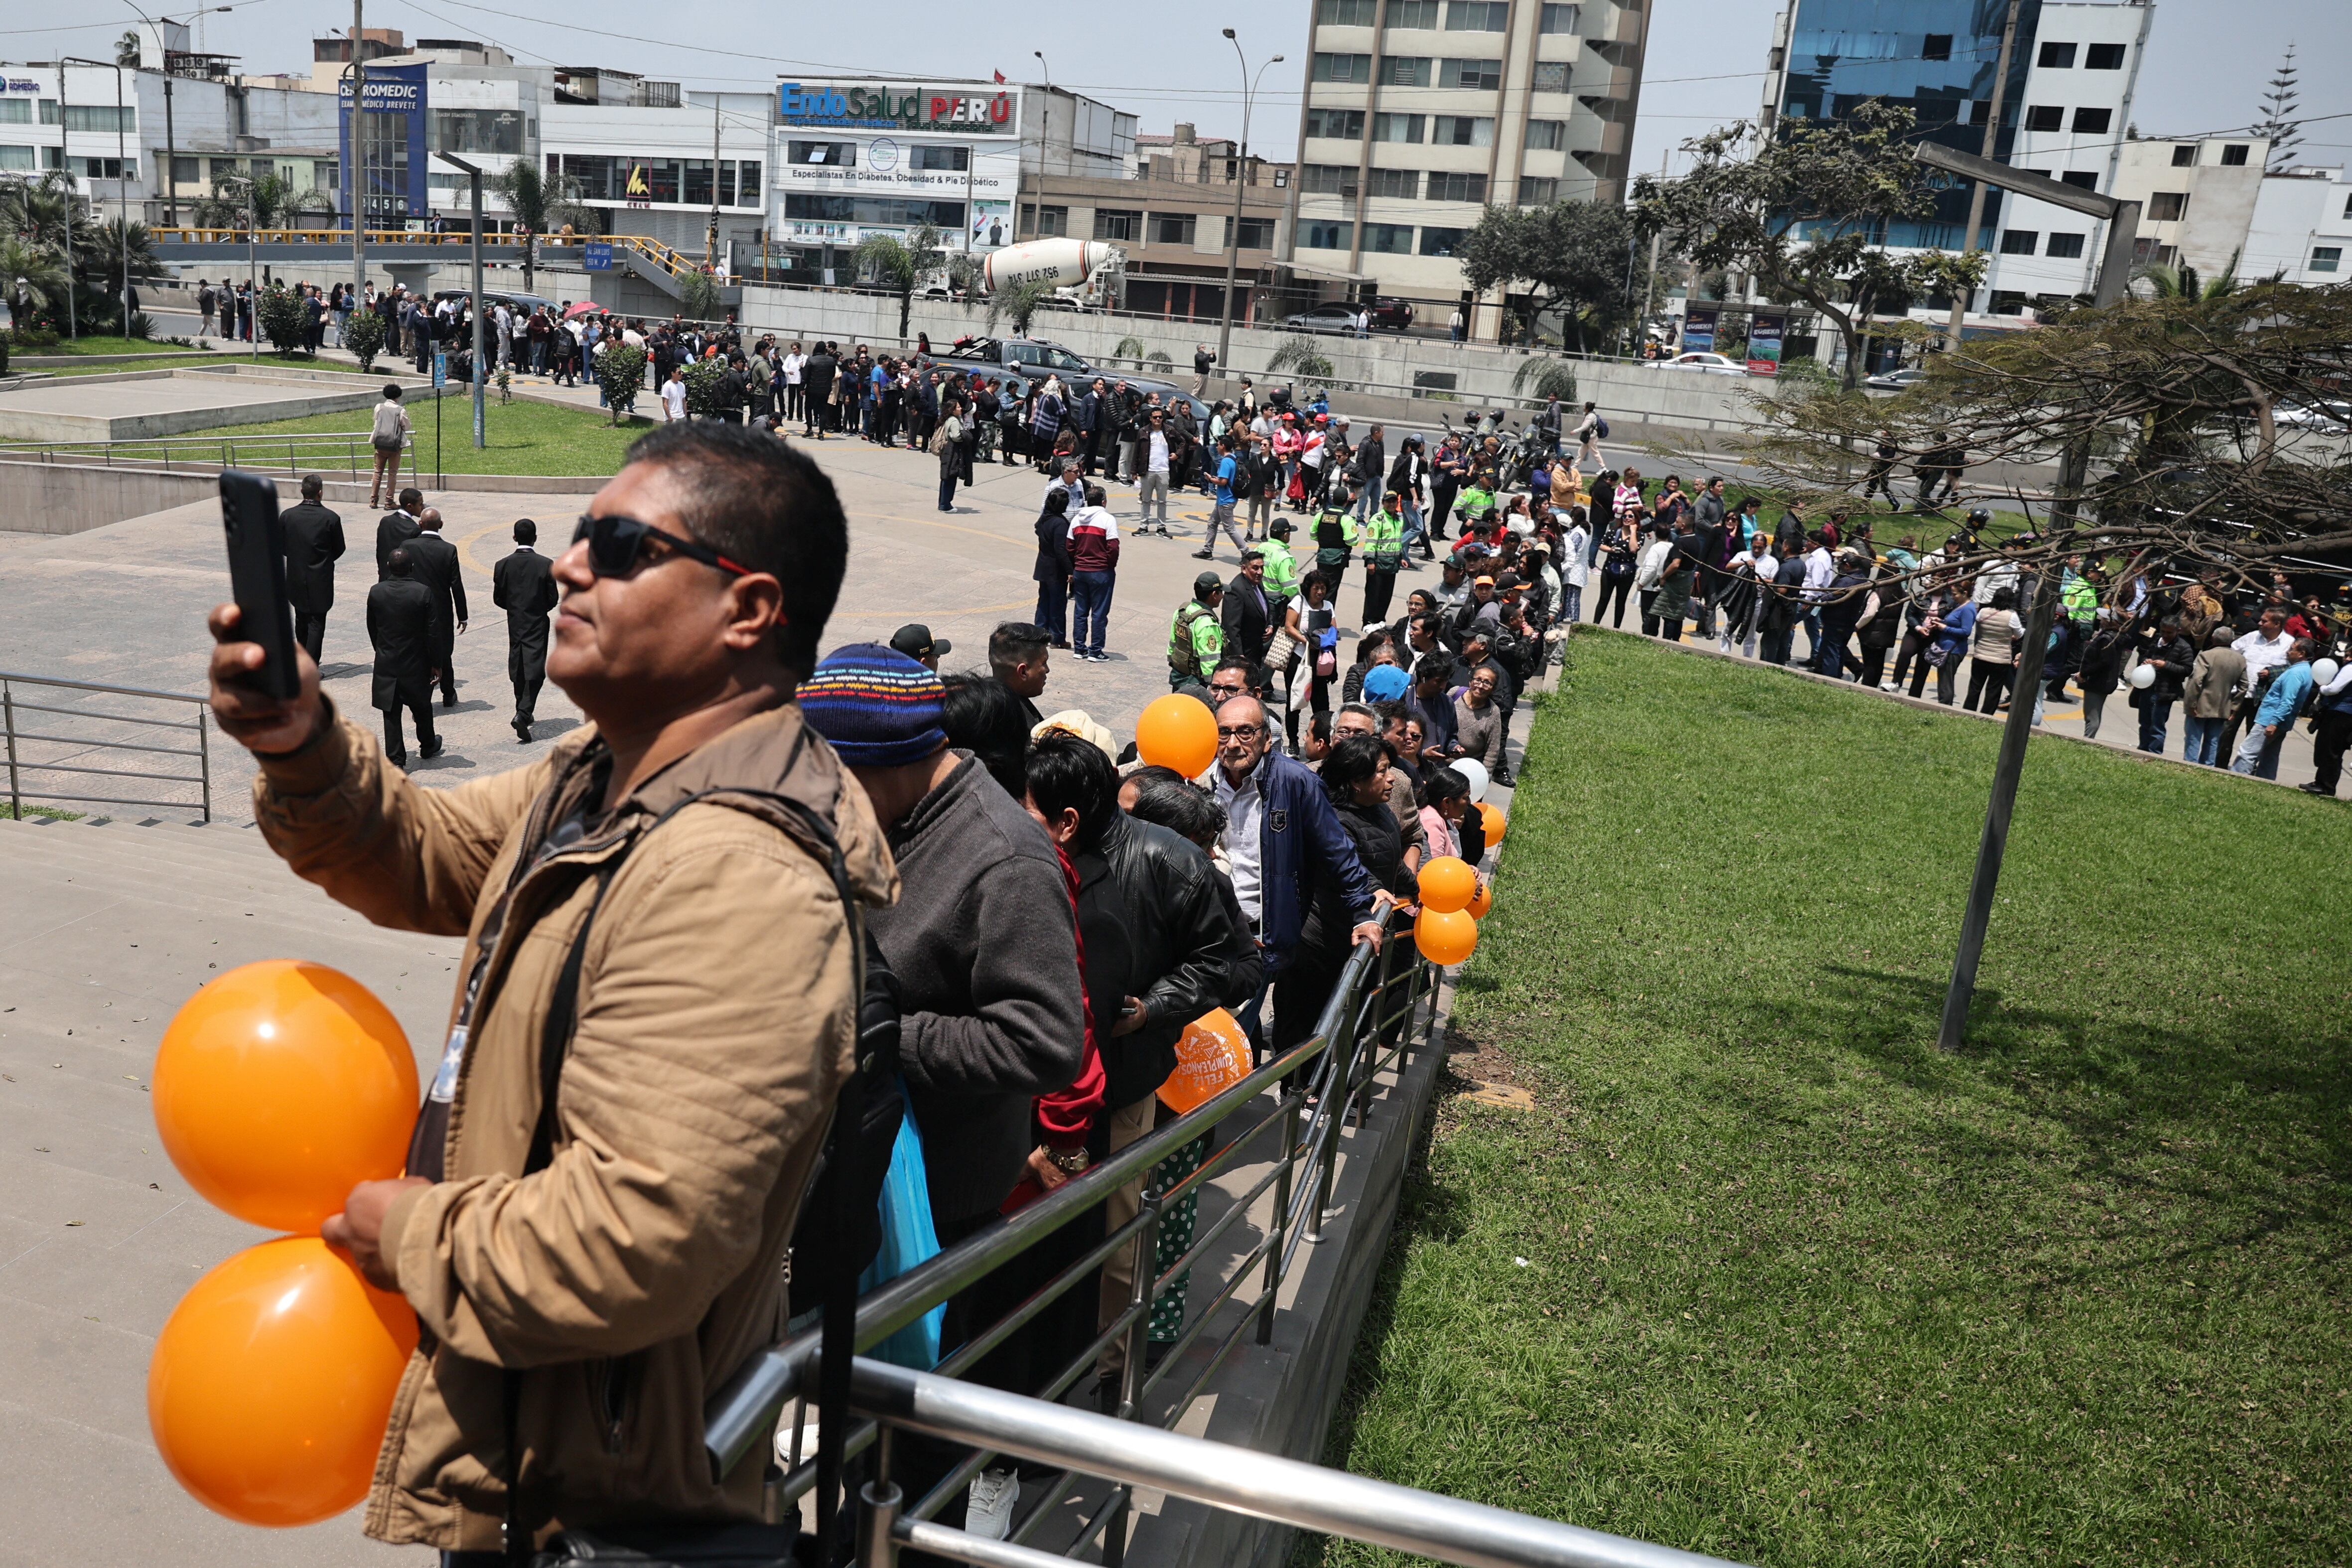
908,1238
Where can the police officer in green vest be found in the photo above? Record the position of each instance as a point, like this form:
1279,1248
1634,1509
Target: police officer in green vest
1195,638
1383,554
1281,567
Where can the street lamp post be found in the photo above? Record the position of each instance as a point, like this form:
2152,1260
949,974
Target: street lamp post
474,304
171,136
121,176
1240,181
65,167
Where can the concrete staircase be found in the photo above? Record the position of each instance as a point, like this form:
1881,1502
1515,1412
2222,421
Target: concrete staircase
106,927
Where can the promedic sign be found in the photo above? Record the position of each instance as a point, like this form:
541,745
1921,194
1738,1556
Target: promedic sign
964,109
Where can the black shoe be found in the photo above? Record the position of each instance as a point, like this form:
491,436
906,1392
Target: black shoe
431,749
2308,787
522,731
1204,555
1107,1393
397,758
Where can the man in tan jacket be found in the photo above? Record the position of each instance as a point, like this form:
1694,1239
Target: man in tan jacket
586,1272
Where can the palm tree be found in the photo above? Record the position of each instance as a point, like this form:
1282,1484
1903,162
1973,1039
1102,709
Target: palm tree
116,248
272,200
538,205
32,277
899,266
1018,304
41,207
2181,282
126,52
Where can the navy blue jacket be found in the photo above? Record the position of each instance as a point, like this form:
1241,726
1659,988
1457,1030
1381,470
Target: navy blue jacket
1301,840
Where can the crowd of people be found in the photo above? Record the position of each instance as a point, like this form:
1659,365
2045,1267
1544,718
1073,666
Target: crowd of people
1046,914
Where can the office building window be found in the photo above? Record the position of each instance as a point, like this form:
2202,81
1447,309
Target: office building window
2092,121
1338,124
2019,241
1323,234
1480,76
1557,18
1462,130
2064,246
1477,16
1343,67
1345,13
1406,70
108,169
898,211
696,186
1422,14
222,168
2347,207
91,116
187,171
1441,241
2045,117
475,131
2085,179
1397,127
2233,154
1388,238
1936,46
825,154
1052,223
747,184
2327,258
1254,234
14,157
2185,155
1117,223
326,175
2055,57
1328,180
16,111
1551,76
1537,191
1452,187
2104,58
1547,136
940,160
1173,228
1398,185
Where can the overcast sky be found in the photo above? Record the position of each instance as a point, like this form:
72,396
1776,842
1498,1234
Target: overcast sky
2206,65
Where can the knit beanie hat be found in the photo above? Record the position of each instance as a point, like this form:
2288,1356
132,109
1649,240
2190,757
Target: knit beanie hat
878,708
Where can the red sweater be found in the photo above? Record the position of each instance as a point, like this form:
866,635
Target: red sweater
1094,541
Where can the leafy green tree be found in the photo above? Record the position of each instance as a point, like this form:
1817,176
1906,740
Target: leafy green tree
1015,304
1570,256
699,295
1800,213
284,318
1539,377
1299,352
899,266
702,379
271,199
620,372
364,335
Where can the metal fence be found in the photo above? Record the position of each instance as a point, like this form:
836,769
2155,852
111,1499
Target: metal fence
307,453
54,745
1382,1009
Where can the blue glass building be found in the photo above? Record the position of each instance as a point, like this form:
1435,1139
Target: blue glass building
1934,56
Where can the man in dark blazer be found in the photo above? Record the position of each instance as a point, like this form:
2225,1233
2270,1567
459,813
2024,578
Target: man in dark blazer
523,586
396,528
400,628
314,542
435,562
1247,613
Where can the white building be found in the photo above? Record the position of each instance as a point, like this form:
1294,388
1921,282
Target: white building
2070,127
2302,226
1420,113
2196,197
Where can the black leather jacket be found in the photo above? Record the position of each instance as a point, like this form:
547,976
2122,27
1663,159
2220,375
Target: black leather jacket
1155,929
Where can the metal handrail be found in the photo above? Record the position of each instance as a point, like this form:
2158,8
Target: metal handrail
19,764
1220,1474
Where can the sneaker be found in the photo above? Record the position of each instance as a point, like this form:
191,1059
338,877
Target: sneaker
1204,555
988,1506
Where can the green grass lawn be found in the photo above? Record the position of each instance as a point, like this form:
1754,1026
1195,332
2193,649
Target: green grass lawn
1801,1290
99,343
525,437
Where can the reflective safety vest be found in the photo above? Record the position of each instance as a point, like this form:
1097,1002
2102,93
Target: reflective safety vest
1195,640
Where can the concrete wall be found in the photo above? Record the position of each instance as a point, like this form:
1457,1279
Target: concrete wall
66,498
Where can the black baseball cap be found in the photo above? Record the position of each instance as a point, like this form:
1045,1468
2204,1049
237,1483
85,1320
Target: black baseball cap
1206,583
914,641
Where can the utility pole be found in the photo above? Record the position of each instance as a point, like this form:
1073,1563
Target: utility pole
2122,219
65,163
1649,288
1241,183
354,177
121,179
1989,151
711,241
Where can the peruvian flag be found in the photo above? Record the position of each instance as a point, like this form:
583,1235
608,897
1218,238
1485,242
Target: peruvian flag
1000,78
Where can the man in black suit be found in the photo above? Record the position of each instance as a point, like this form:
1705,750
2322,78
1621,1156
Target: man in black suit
523,586
396,528
314,542
436,567
1247,613
400,626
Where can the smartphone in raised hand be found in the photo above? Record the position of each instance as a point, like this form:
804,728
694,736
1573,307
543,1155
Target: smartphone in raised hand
257,573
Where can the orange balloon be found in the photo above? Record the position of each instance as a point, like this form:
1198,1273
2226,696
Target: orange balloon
1177,731
279,1087
1491,816
1445,936
272,1380
1212,1057
1482,900
1447,883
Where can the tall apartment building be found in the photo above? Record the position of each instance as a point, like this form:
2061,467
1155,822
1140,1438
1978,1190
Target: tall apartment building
2065,113
1419,114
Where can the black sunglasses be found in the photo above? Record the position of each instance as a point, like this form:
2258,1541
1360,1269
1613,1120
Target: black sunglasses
615,544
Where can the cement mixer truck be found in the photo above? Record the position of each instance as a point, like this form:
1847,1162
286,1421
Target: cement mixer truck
1086,267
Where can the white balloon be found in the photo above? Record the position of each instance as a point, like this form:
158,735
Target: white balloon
1476,772
2324,671
2143,676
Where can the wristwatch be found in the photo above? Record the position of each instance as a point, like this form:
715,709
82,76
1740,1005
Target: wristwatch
1069,1162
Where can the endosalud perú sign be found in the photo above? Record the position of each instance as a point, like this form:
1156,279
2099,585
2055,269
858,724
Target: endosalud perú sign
897,108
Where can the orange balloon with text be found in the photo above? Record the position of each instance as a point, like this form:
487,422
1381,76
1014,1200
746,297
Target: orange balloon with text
272,1381
1177,731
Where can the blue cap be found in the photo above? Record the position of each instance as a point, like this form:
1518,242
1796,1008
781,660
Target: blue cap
1385,683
